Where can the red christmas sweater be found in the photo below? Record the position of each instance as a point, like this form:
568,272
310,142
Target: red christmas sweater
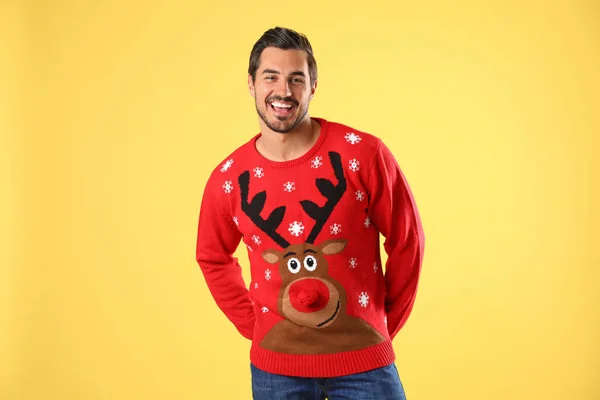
319,303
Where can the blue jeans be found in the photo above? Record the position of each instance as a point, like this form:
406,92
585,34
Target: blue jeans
378,384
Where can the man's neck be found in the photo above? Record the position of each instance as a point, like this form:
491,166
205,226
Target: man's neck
288,146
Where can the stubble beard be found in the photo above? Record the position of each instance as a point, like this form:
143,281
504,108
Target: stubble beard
284,127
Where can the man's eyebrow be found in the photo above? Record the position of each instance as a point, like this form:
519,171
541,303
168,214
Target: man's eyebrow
295,73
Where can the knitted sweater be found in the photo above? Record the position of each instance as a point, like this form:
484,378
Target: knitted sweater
319,303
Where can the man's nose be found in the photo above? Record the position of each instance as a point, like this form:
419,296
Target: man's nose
283,88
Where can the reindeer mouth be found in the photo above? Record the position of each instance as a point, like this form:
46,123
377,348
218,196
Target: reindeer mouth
337,309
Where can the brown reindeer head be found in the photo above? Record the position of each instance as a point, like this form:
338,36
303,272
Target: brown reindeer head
308,296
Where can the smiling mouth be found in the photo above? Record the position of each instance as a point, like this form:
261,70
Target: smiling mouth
337,309
281,108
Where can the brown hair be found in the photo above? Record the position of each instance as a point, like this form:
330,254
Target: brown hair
285,39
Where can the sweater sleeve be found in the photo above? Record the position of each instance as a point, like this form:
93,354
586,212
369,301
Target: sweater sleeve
394,213
217,240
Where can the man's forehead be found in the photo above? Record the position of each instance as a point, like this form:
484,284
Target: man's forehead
274,58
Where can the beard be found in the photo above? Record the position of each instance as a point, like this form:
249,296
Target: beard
282,124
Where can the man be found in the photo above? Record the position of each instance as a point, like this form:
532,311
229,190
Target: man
309,198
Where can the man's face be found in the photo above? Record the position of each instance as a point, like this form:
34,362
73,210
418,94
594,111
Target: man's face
282,90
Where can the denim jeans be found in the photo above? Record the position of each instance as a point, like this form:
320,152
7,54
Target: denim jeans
378,384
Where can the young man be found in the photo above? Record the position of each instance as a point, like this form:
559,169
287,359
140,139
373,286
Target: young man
309,198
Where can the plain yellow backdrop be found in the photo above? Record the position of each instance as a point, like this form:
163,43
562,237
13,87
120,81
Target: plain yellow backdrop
114,113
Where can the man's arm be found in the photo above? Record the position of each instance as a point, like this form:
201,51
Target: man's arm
217,240
394,213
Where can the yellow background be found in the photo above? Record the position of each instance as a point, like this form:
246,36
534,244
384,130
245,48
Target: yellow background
107,113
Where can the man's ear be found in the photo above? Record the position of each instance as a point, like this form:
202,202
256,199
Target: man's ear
313,89
251,85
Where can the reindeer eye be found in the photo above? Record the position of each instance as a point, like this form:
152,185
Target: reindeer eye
310,263
294,265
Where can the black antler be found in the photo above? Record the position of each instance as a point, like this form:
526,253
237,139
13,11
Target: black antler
331,192
253,209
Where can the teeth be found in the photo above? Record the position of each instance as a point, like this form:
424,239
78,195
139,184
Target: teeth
281,105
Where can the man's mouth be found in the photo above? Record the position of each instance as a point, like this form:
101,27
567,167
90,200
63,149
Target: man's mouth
281,108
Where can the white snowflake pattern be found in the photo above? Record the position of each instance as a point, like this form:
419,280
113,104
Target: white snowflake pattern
227,165
296,228
265,310
367,222
255,285
256,239
235,219
352,138
316,162
353,262
354,165
228,186
363,299
289,186
268,274
259,172
375,267
360,195
335,229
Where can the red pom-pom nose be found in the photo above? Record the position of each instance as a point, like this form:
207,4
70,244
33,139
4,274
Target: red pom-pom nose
309,295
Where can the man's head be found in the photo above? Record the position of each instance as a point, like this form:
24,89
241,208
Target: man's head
282,78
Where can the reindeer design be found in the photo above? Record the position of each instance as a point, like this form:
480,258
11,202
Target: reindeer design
312,303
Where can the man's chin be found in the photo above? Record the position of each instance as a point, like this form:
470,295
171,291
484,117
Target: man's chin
284,125
282,130
278,123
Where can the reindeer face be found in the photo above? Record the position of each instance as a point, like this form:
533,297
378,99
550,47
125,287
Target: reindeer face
309,297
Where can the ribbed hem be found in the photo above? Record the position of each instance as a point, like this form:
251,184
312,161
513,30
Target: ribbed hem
323,365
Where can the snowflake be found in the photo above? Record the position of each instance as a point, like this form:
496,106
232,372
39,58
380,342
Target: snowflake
335,229
363,299
256,239
354,165
360,196
317,162
352,138
235,219
375,267
353,262
367,222
227,165
268,274
256,285
259,172
265,310
228,186
289,186
296,228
